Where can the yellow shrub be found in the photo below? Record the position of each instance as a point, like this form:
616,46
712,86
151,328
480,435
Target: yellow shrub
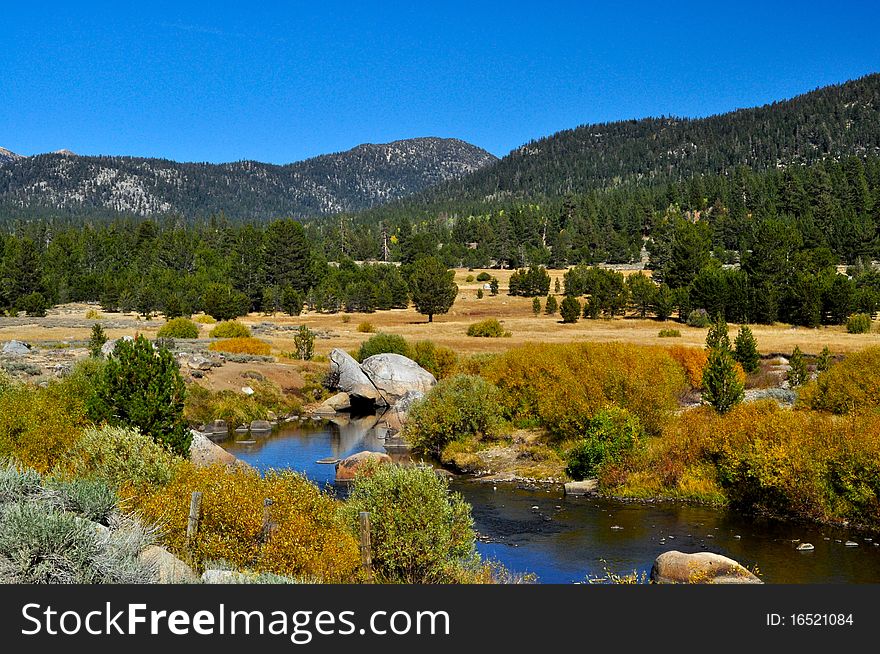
693,360
40,426
247,345
204,319
851,385
563,386
307,538
804,464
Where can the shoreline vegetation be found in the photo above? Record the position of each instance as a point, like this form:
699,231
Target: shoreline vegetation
790,436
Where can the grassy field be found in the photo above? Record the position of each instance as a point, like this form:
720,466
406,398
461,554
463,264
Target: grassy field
514,312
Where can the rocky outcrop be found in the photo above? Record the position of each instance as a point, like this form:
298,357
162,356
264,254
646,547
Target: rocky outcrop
395,375
167,567
203,452
16,348
676,567
347,376
348,468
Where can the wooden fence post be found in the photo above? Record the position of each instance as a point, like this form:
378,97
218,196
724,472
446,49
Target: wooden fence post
195,507
267,518
366,553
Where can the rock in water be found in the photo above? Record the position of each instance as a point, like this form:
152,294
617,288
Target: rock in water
339,402
347,469
395,376
260,425
585,487
168,568
676,567
17,348
348,377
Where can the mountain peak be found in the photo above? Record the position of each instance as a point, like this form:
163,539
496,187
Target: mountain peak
65,152
8,155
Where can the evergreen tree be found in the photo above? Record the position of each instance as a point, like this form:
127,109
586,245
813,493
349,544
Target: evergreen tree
556,286
493,286
224,303
551,306
141,387
570,309
536,306
664,302
96,341
823,363
797,372
432,287
721,387
717,338
746,349
643,293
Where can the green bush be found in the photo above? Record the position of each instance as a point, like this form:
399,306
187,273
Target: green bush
439,361
551,306
484,277
119,455
382,343
698,318
178,328
96,341
420,531
722,387
141,387
489,328
570,310
611,433
230,329
366,328
669,333
858,323
34,304
851,386
91,498
457,408
746,350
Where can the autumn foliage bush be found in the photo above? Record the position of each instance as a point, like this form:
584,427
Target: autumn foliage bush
242,346
564,386
762,458
851,385
306,536
230,329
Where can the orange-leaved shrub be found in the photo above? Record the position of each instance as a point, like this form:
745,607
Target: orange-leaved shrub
763,458
564,386
306,537
693,360
245,345
851,385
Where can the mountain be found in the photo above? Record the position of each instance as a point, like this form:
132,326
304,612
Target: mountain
357,179
7,156
828,123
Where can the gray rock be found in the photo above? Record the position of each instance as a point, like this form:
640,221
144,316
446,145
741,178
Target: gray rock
247,390
203,452
222,577
108,347
347,469
395,375
199,362
409,398
783,396
168,568
676,567
261,425
16,348
348,377
339,402
585,487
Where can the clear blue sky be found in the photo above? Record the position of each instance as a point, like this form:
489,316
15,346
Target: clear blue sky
281,81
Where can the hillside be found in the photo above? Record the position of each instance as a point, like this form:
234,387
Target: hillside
830,122
357,179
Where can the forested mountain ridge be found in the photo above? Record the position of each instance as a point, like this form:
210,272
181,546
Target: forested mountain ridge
7,156
357,179
830,122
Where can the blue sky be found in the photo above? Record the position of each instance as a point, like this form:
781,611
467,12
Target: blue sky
282,81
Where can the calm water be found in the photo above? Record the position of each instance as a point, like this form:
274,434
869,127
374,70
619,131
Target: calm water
564,540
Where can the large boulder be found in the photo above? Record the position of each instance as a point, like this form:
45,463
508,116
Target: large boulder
16,348
395,375
203,452
347,469
349,378
676,567
332,405
108,347
168,569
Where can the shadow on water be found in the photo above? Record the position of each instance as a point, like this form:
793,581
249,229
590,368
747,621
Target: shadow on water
564,539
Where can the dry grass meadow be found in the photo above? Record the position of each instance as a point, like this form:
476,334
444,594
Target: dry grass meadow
514,312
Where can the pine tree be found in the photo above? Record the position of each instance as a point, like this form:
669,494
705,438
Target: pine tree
797,372
96,341
552,306
823,363
570,309
432,287
746,349
721,386
493,286
556,286
479,293
717,337
536,306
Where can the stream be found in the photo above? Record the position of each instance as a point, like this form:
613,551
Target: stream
565,539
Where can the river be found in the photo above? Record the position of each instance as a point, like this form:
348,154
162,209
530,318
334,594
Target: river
566,540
